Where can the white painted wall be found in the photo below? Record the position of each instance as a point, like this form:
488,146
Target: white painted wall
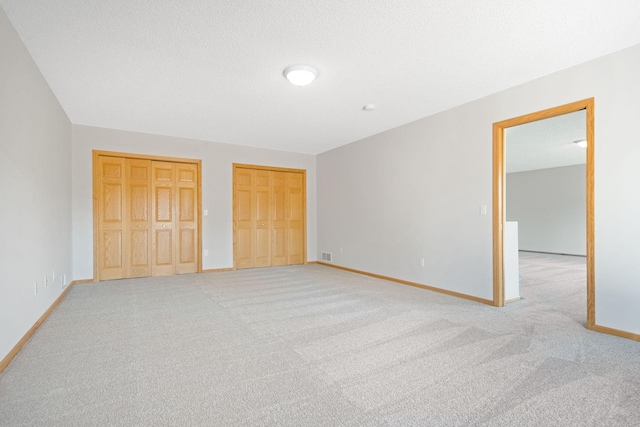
217,180
415,191
35,191
550,206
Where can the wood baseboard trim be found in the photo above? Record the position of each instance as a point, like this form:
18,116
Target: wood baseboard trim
416,285
616,332
218,270
16,349
596,328
550,253
312,262
81,282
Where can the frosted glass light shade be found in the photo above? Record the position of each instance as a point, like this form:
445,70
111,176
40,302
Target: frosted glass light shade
300,75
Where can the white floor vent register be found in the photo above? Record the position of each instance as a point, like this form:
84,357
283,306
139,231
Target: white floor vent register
326,256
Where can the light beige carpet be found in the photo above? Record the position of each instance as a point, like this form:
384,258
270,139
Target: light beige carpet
314,346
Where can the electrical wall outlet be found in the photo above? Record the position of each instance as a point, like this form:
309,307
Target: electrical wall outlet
64,281
421,262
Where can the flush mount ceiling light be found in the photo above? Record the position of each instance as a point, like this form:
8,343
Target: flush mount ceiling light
300,75
369,107
582,143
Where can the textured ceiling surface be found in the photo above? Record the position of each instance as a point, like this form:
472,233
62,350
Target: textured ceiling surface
546,143
212,70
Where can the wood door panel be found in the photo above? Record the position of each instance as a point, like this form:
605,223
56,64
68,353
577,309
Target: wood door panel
163,173
279,247
139,203
261,216
138,170
262,248
279,205
262,178
187,243
164,204
137,246
269,216
262,207
112,202
187,204
112,254
244,221
262,224
111,169
278,219
147,216
244,178
164,248
139,258
111,259
244,257
186,174
186,219
295,218
295,205
244,205
163,184
295,246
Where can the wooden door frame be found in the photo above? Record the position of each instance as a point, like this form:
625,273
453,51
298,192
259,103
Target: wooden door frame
98,153
274,169
499,179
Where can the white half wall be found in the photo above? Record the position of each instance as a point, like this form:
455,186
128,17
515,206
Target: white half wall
415,191
550,206
35,189
217,182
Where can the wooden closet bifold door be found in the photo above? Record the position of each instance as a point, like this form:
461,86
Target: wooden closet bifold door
138,239
186,260
269,216
110,217
175,211
295,217
146,217
261,214
279,246
164,197
244,221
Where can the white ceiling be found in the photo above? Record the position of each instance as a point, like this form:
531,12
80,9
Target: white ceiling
546,143
212,70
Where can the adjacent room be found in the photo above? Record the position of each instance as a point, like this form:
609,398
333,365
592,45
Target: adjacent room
294,213
546,211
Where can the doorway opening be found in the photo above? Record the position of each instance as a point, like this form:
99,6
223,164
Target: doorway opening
499,193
